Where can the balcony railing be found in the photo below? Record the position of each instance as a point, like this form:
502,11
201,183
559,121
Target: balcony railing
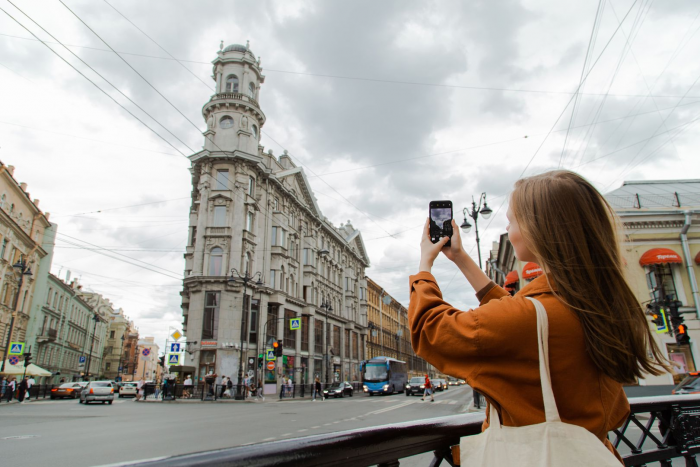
658,429
218,232
234,95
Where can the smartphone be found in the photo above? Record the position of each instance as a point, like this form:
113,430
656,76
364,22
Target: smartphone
440,221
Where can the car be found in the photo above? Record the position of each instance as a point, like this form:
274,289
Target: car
439,384
689,385
338,390
452,381
97,391
462,382
415,386
70,390
128,390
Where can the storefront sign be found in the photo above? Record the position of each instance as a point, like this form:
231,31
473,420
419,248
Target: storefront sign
208,343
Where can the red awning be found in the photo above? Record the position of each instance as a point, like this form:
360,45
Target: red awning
660,256
511,279
531,270
697,258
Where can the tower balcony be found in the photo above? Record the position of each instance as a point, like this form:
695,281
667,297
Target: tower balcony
228,100
218,232
234,96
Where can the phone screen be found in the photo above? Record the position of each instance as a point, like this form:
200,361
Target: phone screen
440,220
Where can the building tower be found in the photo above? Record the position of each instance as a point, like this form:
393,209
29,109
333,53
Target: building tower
253,212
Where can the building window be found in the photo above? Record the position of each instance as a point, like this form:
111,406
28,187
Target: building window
305,333
660,282
221,180
307,256
318,336
251,186
232,83
273,278
111,334
216,257
210,322
248,266
48,298
226,122
278,236
255,131
290,337
4,247
251,90
275,204
347,343
249,222
108,366
272,318
336,340
354,345
219,216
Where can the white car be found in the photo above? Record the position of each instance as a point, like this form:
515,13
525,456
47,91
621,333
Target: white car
128,390
97,391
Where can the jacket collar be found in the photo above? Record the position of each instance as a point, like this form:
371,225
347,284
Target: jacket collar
538,286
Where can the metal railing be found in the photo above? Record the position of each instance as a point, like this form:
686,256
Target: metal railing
658,429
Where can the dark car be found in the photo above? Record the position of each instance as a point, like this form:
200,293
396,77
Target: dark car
70,390
439,384
689,385
416,386
338,390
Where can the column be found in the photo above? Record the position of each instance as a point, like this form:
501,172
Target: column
202,216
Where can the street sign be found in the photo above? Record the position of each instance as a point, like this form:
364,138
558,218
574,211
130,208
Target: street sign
146,352
175,348
16,348
120,370
14,360
173,359
386,300
176,335
270,355
294,324
270,366
81,359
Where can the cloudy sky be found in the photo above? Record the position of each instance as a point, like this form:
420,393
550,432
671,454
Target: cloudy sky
387,105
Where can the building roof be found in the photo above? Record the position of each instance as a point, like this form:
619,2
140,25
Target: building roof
238,48
656,194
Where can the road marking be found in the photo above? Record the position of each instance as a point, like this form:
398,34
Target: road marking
285,434
314,427
327,424
268,439
393,407
20,437
301,431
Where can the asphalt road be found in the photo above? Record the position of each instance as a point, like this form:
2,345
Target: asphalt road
65,433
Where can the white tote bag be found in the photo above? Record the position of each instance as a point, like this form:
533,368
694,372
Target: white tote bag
552,443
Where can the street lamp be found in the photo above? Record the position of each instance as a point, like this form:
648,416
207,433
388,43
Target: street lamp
23,268
121,353
96,319
326,306
245,278
485,211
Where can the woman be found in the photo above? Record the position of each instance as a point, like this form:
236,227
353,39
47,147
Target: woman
598,334
10,390
318,391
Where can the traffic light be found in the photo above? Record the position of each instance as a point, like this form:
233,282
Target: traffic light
260,363
27,359
658,317
658,320
277,346
680,330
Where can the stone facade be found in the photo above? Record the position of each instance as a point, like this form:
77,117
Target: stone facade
130,355
252,212
148,366
114,344
22,226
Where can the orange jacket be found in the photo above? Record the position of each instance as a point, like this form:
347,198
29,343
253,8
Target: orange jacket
494,348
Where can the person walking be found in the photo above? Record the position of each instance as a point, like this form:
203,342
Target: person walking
428,389
259,392
3,387
22,389
187,390
598,334
317,389
140,390
30,384
10,389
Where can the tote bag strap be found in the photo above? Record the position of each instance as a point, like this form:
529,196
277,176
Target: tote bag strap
550,405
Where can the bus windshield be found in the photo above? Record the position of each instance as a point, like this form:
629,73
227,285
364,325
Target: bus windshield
375,372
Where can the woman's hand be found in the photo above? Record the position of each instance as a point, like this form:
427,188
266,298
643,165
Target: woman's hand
429,250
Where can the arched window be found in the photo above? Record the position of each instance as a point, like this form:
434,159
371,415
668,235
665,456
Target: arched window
226,122
255,132
232,83
251,90
216,257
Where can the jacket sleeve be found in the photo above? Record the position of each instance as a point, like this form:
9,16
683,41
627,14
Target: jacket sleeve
455,342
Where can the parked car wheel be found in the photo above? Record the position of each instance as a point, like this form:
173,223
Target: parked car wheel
110,402
351,393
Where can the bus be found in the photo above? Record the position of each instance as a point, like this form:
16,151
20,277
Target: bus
383,375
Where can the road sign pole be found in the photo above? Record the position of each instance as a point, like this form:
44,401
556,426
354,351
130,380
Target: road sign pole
23,270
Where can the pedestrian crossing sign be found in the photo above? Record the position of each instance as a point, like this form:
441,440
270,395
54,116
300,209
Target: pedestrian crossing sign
16,348
173,359
294,324
270,354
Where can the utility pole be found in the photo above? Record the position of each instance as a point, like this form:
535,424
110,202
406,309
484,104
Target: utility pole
24,270
95,318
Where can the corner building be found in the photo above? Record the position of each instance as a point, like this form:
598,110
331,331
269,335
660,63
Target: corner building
256,213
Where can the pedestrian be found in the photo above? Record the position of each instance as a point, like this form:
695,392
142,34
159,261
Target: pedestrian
219,385
290,388
246,386
156,388
22,389
187,390
229,386
598,335
259,391
428,386
10,390
140,390
283,387
166,387
3,387
318,389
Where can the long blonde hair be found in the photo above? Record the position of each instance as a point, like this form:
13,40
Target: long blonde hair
573,232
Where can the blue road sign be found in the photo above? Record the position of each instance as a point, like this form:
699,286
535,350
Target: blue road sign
175,348
81,359
294,324
270,354
16,348
173,359
120,370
